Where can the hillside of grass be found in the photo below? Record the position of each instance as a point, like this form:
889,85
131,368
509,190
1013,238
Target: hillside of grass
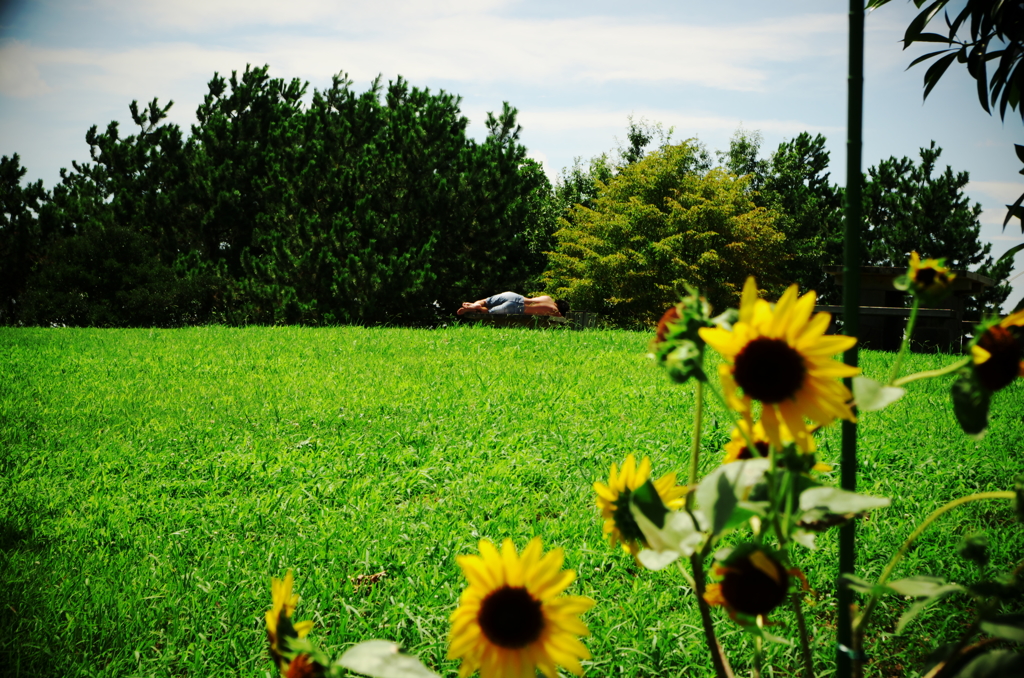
152,481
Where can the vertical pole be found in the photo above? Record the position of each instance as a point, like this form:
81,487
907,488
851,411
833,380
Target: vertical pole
851,318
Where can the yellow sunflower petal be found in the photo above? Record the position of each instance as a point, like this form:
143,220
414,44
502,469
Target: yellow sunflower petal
979,355
747,300
1013,320
643,472
532,573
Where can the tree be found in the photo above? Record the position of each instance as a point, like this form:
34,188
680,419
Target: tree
996,32
364,208
659,224
112,232
794,182
394,215
907,207
21,237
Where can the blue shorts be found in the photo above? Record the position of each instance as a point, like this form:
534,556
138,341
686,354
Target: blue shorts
506,302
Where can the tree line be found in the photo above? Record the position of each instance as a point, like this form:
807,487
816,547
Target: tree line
376,207
636,229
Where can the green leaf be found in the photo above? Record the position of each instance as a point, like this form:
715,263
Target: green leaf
1013,250
920,21
383,659
723,489
646,500
935,71
1015,210
837,501
932,37
970,404
855,583
922,586
925,58
1008,626
684,362
995,664
680,536
937,593
870,395
976,66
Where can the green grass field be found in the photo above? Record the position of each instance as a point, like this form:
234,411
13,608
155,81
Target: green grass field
152,481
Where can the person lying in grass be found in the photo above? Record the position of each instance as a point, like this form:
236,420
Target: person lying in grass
517,304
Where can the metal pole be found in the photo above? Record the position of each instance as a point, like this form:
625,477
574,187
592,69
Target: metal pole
851,318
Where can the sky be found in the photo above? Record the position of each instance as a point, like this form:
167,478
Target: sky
576,70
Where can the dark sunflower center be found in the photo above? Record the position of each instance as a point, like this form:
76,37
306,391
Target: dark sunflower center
511,618
749,590
769,370
762,451
1002,368
925,277
624,521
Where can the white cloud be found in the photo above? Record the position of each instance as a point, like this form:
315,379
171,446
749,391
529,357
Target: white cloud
542,158
458,40
212,16
998,192
589,118
19,75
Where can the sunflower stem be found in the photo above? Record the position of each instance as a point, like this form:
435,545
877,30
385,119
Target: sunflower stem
787,511
930,374
718,659
698,419
755,671
865,616
905,346
805,642
773,494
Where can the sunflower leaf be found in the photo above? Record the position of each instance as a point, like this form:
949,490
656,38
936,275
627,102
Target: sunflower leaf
1008,626
855,583
939,592
383,659
839,502
680,536
922,586
722,490
870,395
970,404
647,501
994,665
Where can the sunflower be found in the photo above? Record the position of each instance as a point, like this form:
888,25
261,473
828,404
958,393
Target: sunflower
512,620
929,279
304,666
669,318
279,619
613,500
737,448
781,357
996,356
753,582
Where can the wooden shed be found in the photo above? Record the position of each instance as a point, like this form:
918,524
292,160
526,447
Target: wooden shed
884,310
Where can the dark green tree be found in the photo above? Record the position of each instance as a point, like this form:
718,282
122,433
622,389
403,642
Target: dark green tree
362,208
21,237
122,209
794,182
909,207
